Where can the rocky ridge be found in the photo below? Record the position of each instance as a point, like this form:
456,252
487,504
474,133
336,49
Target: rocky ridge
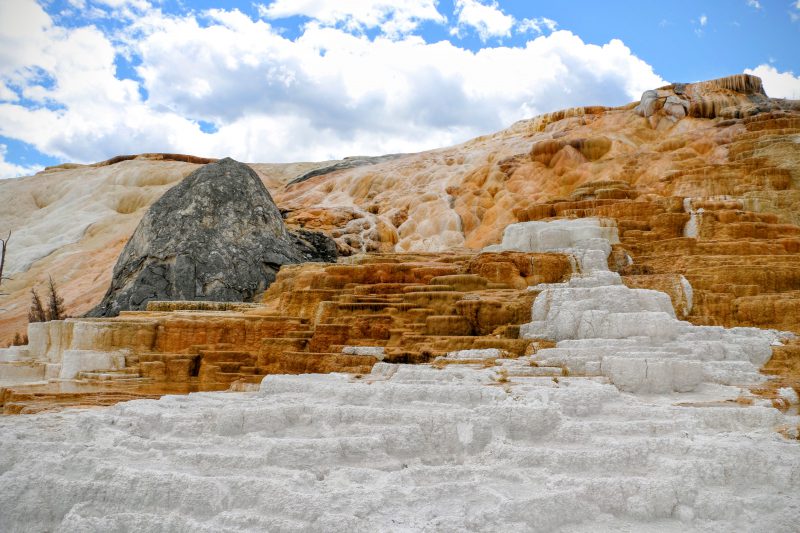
217,236
581,323
734,156
704,206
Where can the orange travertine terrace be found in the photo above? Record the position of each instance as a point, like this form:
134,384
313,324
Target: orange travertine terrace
703,181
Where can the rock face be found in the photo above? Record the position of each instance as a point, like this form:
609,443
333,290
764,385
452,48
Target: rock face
733,97
216,236
315,318
345,164
702,174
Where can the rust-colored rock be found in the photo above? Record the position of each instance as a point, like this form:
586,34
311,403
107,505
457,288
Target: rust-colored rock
702,180
410,307
722,143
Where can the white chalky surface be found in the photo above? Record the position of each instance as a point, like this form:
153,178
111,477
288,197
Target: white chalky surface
424,450
631,336
648,444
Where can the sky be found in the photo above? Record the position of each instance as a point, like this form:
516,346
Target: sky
309,80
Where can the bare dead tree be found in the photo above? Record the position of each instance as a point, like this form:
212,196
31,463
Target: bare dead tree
55,303
4,244
36,312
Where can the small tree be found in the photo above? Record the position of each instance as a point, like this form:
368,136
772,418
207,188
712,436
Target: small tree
36,312
4,245
55,303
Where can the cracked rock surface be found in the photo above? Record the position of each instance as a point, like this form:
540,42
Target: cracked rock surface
217,235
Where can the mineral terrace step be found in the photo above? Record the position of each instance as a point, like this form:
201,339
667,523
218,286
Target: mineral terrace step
110,376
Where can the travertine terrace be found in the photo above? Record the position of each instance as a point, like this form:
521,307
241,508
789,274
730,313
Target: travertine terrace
711,194
646,430
587,321
405,308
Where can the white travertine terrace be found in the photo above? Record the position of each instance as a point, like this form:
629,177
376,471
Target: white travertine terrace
375,351
59,349
406,448
627,424
629,335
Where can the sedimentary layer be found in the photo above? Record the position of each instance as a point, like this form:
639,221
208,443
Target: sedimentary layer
702,180
314,318
556,398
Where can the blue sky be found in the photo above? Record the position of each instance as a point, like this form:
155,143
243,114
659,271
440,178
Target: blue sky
287,80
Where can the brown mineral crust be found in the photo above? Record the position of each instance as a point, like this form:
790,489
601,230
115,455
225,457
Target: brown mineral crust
414,306
33,399
703,181
723,144
784,371
519,270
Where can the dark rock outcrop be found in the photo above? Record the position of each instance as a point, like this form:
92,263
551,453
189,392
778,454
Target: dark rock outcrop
217,235
344,164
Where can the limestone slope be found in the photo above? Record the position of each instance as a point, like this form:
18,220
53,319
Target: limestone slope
631,420
702,179
405,448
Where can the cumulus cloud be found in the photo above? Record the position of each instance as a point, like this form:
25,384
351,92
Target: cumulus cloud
10,170
393,17
118,4
777,84
7,93
701,23
488,20
536,25
755,4
325,94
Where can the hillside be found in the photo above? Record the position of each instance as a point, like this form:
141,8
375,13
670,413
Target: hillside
587,321
722,144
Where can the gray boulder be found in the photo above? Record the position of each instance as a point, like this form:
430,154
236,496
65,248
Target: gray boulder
217,236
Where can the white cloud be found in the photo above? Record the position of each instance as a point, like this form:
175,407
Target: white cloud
22,20
118,4
393,17
7,94
486,19
326,94
794,16
777,84
700,23
755,4
10,170
536,25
